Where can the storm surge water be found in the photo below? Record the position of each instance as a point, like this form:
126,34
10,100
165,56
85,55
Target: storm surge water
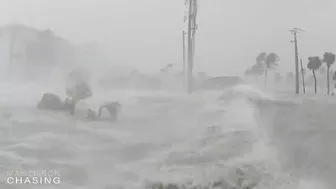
238,138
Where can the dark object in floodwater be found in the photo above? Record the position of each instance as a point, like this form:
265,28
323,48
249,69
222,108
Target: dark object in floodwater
112,107
51,101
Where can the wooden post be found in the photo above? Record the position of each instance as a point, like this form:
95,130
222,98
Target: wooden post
297,90
190,56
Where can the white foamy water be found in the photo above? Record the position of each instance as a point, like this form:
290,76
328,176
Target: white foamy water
159,137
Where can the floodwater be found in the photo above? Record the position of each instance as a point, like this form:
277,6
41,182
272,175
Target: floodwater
247,138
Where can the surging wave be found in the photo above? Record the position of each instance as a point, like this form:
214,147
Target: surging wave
161,139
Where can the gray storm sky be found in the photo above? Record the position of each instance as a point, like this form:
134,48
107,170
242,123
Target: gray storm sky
147,33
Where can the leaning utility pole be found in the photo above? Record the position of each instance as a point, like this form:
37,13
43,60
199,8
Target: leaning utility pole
302,74
294,31
192,13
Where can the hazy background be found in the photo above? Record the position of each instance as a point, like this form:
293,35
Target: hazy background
276,138
146,34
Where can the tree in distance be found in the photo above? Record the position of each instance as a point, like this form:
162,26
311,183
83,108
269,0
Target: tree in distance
329,59
314,63
269,60
256,70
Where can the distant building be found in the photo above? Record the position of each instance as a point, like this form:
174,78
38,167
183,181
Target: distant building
218,83
27,52
21,45
202,76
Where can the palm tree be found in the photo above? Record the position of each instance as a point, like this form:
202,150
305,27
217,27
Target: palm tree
329,59
270,61
314,63
261,58
256,70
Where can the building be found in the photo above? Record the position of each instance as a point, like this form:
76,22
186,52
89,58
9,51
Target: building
218,83
24,50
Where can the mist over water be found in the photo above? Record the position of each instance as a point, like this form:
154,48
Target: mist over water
224,135
210,138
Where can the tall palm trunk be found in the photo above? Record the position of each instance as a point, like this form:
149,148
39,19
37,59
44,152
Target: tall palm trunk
314,81
328,82
265,77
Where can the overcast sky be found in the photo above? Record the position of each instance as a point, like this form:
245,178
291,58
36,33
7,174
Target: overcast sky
147,33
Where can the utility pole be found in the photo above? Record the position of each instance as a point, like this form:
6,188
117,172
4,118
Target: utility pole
294,31
194,26
192,13
303,81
